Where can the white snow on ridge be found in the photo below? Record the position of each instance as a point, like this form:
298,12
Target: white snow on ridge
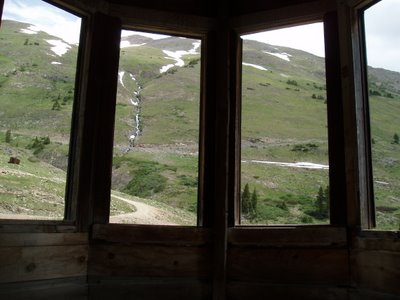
56,63
301,165
126,44
177,56
284,56
30,30
121,77
166,68
59,47
255,66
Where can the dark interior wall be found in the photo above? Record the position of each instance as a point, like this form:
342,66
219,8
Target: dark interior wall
91,259
210,8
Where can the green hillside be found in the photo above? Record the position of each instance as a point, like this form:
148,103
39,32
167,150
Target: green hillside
157,129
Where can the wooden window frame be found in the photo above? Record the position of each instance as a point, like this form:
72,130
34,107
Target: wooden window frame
337,171
67,224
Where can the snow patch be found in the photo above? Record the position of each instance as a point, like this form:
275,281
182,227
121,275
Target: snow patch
126,44
255,66
121,77
56,63
166,68
177,56
284,56
59,47
284,75
30,30
301,165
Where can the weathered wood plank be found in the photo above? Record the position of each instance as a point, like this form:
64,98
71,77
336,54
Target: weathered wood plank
162,21
301,13
276,237
365,294
149,261
380,242
139,234
13,226
37,263
288,266
149,289
259,291
42,239
377,269
65,289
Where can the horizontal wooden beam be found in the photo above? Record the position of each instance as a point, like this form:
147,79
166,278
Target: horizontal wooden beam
149,261
39,263
143,234
283,17
277,237
42,239
136,18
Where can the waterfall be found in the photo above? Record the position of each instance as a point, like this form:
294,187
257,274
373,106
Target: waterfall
135,101
134,133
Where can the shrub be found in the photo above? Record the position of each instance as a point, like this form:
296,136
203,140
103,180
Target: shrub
188,180
395,139
8,136
38,144
145,184
292,82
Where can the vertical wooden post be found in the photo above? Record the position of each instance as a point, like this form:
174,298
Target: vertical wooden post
97,121
220,223
1,10
337,168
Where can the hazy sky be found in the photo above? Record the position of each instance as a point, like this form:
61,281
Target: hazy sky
382,29
46,17
382,22
309,38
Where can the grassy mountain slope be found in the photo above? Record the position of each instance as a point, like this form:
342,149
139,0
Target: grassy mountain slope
284,119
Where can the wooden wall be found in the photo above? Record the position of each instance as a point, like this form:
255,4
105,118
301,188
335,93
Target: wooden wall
42,262
90,259
149,262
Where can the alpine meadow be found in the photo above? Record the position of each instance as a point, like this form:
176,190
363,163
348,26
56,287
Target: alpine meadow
284,168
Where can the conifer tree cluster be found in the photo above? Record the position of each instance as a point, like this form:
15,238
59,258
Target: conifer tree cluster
249,202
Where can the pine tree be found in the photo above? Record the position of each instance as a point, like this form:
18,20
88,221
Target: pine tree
8,136
319,203
395,139
246,200
322,203
253,202
254,198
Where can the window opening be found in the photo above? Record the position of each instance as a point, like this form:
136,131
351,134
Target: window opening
383,57
38,60
284,139
155,161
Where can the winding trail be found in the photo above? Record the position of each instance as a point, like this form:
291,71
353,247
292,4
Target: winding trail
144,214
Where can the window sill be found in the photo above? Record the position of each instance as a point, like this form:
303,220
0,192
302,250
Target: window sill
151,234
36,226
289,236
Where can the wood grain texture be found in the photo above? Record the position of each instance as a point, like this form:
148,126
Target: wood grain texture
163,235
377,270
42,239
149,289
38,263
74,288
149,261
277,237
261,291
12,226
289,266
